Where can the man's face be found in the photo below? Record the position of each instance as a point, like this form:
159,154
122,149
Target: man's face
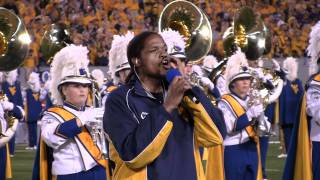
153,58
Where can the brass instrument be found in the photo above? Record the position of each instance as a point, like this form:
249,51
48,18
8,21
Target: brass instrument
96,125
14,47
7,115
195,80
260,94
192,23
14,40
56,37
249,33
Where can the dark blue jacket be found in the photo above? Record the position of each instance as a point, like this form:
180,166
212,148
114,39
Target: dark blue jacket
13,93
33,106
146,140
289,102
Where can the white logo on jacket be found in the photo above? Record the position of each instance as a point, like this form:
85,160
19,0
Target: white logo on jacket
144,115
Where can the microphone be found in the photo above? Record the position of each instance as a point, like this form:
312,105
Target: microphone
171,74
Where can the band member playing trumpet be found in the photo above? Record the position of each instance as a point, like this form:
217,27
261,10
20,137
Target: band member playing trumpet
64,127
154,129
241,160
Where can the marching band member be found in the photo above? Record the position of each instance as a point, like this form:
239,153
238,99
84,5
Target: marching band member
63,127
118,63
155,130
313,101
241,157
303,159
8,128
289,100
217,90
11,87
33,108
268,118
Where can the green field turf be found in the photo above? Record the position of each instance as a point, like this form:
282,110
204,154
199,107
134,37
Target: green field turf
22,163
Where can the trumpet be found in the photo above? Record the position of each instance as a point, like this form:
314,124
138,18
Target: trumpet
195,80
96,125
260,94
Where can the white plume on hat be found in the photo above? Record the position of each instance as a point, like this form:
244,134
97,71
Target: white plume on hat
175,43
11,76
234,68
118,54
68,65
313,48
99,76
34,81
209,62
291,65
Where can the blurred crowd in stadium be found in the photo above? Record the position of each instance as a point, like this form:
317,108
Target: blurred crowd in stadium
93,22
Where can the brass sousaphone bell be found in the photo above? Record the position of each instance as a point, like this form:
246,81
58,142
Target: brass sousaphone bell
192,23
56,37
249,33
14,40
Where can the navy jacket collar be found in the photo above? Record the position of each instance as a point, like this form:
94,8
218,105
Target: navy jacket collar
138,88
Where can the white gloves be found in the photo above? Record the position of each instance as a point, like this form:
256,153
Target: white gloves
254,111
264,125
99,112
86,115
6,105
91,115
207,82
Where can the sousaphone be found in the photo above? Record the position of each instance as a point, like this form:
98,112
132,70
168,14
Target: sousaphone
248,33
192,23
56,37
14,40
